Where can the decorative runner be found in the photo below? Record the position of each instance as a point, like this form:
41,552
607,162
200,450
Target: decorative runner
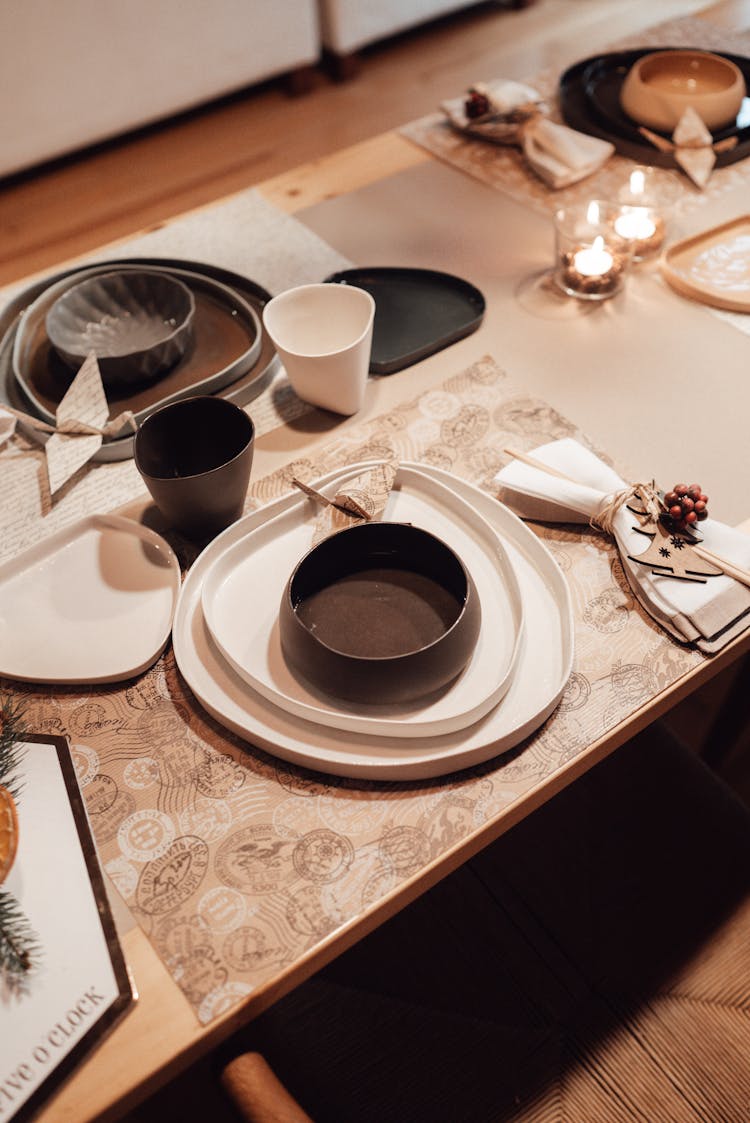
506,169
236,864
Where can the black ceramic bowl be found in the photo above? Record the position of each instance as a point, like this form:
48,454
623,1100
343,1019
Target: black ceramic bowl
380,612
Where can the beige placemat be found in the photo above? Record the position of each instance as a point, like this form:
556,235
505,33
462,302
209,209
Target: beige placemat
236,864
506,170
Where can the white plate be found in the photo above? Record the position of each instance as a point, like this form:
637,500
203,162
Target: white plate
713,266
544,664
92,603
243,589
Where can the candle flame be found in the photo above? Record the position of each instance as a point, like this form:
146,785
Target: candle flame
598,245
592,212
637,182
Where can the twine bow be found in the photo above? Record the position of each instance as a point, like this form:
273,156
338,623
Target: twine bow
646,493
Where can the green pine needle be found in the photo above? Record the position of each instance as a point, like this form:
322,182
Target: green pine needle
20,952
11,732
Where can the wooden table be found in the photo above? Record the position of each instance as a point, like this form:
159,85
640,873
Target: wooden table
421,213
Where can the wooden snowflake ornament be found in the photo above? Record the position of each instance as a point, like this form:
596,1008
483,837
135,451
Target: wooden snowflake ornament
670,551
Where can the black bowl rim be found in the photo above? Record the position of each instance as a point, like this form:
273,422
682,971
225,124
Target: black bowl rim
181,402
376,660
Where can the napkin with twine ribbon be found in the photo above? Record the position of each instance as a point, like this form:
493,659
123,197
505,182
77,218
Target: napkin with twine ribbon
706,612
517,116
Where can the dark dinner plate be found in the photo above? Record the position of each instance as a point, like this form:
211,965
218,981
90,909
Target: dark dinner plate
417,312
589,95
220,348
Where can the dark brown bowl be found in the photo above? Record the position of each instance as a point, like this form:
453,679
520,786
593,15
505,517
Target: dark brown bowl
380,612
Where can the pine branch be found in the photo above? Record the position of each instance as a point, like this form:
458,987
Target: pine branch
20,952
11,732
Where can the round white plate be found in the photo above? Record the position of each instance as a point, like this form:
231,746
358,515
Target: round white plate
544,665
243,588
92,603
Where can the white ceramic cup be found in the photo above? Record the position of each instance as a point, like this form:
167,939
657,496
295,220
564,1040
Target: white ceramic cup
323,334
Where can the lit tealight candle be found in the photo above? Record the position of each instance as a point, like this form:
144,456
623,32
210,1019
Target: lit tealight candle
591,256
634,223
637,182
643,228
593,261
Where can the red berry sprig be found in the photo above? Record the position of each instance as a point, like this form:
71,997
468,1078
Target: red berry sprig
685,506
476,104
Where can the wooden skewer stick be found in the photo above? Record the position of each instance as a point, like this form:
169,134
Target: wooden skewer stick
731,569
534,463
341,503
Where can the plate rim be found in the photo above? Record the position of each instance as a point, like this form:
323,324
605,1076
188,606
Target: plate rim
351,721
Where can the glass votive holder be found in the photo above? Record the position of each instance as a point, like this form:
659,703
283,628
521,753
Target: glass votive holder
591,256
644,227
646,200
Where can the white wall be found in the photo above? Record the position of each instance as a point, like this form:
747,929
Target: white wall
73,72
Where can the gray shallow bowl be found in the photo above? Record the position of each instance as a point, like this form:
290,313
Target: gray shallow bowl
139,324
380,612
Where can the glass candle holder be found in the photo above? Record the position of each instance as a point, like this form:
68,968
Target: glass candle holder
646,200
591,256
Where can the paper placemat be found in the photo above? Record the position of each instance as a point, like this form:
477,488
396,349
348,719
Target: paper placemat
506,170
236,864
247,235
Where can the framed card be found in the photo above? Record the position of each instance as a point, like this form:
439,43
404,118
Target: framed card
78,986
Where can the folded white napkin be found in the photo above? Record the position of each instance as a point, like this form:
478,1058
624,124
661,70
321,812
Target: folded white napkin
559,155
707,615
694,147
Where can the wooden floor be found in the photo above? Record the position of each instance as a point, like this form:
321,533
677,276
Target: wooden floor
55,212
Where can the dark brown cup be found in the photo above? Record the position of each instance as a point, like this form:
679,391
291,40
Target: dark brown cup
381,612
195,457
